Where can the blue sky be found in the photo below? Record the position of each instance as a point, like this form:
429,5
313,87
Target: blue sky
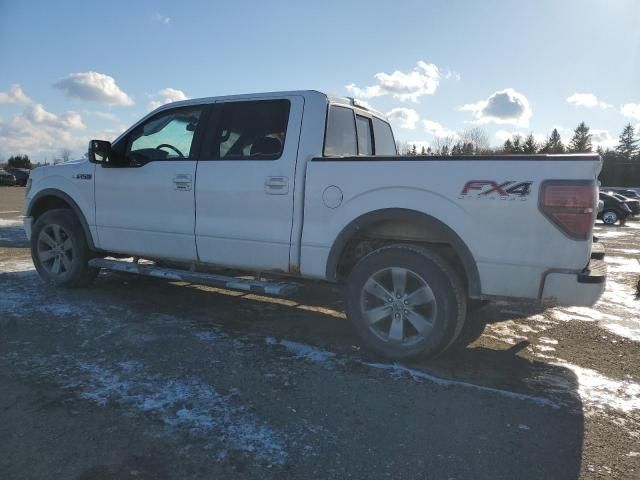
71,71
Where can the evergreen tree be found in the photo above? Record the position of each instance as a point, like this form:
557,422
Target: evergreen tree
423,151
516,140
508,146
553,143
530,145
628,145
581,140
19,161
414,150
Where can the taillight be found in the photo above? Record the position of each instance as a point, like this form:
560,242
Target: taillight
570,206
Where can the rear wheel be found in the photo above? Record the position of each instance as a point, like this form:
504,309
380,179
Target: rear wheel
405,301
59,250
610,217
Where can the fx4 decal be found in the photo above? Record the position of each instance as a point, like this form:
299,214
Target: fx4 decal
510,190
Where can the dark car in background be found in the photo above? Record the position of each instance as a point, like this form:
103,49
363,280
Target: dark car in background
632,203
6,178
21,175
614,210
626,192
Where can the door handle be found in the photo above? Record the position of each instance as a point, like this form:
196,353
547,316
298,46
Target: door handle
276,185
182,181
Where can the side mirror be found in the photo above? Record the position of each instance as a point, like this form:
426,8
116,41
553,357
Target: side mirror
99,151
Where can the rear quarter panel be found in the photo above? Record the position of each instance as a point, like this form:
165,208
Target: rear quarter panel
512,242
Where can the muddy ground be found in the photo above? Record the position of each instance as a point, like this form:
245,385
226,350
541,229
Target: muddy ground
137,378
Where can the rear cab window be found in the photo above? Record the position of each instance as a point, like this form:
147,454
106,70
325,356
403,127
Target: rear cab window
385,143
349,134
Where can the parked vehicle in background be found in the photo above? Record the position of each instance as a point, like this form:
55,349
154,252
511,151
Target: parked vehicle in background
632,203
21,175
614,211
308,185
6,178
627,192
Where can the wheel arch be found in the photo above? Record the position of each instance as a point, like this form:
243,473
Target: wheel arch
405,217
52,198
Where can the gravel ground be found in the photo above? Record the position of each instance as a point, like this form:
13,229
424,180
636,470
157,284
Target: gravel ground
138,378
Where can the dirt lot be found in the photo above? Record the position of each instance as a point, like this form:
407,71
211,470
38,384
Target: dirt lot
137,378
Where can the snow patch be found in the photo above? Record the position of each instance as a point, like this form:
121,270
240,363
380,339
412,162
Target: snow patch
10,222
183,404
595,390
16,265
399,371
306,352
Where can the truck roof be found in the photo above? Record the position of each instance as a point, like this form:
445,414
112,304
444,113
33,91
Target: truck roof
310,95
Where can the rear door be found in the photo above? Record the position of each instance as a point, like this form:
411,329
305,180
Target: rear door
145,205
244,188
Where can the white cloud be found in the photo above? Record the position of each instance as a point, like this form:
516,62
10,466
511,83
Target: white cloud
40,133
631,110
95,87
602,138
14,95
502,107
422,80
406,116
36,114
434,128
588,100
448,74
158,17
167,95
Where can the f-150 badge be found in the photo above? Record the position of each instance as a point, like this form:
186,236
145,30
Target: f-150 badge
510,190
82,176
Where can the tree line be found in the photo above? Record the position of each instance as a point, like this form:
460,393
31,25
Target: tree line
23,161
621,165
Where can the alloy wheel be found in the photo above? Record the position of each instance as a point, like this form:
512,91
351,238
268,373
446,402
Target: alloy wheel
398,306
55,250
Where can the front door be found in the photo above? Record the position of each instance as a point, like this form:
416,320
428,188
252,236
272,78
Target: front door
145,203
245,183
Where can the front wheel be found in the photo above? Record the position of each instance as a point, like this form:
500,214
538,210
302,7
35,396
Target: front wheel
405,301
59,250
610,217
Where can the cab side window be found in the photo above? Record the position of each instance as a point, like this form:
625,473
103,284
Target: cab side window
166,136
365,142
252,130
340,139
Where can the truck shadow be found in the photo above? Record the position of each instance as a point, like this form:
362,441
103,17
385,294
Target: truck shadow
494,446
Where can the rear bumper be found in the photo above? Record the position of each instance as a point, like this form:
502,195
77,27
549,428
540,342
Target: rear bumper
27,223
577,288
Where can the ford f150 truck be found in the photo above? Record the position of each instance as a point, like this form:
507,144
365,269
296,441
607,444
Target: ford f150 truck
303,184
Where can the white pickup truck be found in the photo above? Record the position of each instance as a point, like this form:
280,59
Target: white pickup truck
303,184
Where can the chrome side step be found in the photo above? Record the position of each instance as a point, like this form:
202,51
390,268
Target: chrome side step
280,289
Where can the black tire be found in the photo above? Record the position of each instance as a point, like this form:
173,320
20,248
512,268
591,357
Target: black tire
445,311
610,217
73,270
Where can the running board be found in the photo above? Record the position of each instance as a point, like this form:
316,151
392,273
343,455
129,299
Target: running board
280,289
